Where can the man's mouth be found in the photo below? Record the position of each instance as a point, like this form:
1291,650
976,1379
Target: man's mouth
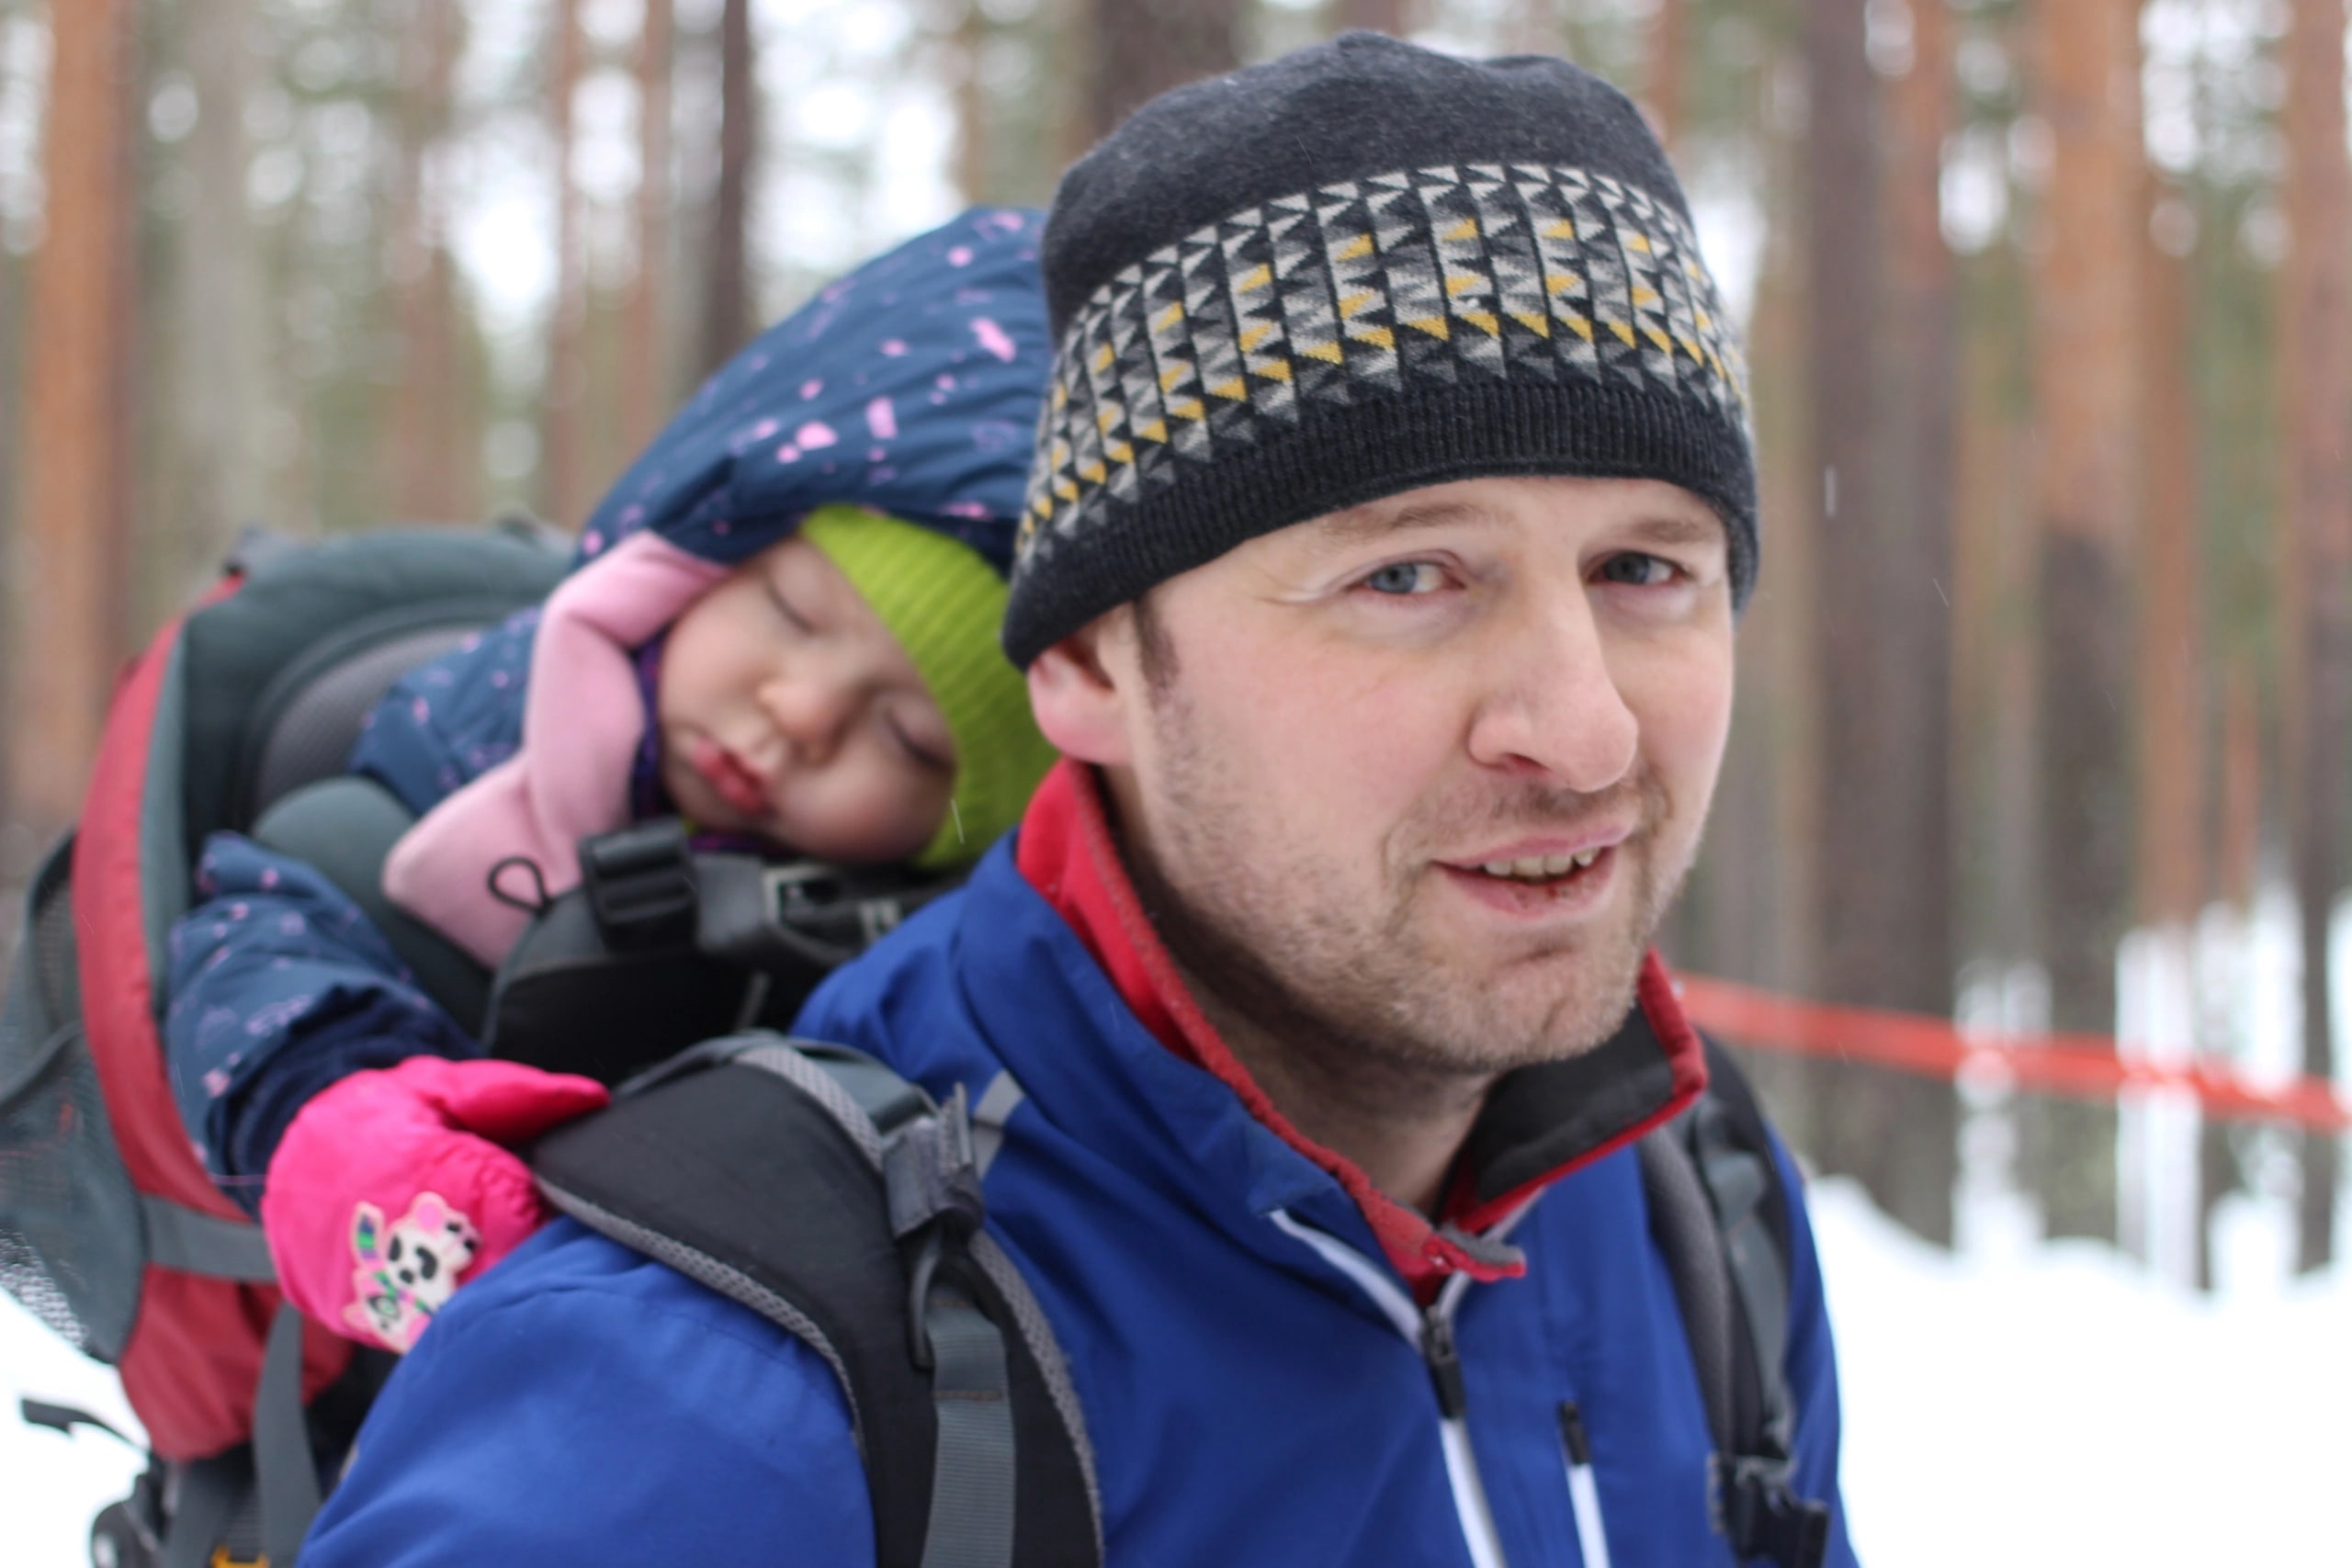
1530,877
1558,876
1543,869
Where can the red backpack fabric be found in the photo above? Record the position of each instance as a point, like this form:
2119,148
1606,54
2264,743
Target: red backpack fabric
193,1361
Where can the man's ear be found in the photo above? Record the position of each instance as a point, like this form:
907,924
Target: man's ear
1080,706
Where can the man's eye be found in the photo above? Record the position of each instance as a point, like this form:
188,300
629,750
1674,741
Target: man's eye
1638,571
1404,578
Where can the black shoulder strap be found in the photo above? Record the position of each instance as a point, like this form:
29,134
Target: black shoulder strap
819,1188
662,945
1720,1217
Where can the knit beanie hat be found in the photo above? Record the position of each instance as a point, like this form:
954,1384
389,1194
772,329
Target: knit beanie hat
1357,270
944,605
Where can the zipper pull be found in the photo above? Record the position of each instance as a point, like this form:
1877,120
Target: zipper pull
1445,1364
1573,1437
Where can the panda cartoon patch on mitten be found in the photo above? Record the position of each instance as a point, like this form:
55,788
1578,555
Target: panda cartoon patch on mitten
408,1269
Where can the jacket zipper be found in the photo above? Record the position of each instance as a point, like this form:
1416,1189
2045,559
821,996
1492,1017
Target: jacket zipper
1433,1333
1584,1494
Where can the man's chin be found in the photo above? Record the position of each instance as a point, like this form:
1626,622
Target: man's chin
1540,1008
1569,956
1576,1017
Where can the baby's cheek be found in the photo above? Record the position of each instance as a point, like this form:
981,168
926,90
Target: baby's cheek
874,814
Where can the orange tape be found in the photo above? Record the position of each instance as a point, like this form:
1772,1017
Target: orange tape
2081,1067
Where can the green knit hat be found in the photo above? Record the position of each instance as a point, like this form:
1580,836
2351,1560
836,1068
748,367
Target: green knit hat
945,605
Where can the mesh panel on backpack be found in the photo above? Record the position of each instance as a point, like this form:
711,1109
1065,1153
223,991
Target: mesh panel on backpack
71,1242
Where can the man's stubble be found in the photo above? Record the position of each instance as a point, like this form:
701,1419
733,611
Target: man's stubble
1276,943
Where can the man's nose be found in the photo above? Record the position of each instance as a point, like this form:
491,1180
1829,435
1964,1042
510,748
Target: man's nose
1552,703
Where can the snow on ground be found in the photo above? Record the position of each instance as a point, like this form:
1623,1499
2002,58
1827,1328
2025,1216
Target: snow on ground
52,1486
2049,1404
2025,1404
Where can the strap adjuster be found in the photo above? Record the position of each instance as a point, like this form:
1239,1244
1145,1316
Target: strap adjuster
1762,1517
932,1184
640,884
930,1173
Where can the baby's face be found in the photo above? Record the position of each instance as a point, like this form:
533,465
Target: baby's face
787,710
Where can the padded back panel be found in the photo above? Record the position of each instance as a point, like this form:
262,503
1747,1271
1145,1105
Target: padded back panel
311,736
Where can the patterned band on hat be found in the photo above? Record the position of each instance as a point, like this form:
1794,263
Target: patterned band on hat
1364,291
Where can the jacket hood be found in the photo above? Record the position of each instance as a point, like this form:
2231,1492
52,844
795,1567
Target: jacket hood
910,386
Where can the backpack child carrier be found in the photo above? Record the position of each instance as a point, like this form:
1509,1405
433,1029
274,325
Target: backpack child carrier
110,1231
240,716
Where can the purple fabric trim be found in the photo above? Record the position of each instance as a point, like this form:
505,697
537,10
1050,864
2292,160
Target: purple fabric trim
647,798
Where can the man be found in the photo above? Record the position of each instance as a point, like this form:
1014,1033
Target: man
1390,515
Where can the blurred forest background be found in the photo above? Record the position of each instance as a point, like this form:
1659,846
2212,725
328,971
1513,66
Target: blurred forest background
2052,657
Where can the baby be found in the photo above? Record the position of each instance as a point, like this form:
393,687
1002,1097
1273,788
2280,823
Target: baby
781,627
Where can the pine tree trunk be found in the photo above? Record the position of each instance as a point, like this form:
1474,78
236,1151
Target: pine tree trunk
1912,761
1882,439
429,461
1390,17
1993,696
1882,902
216,402
1142,48
2173,873
1777,640
727,321
971,98
2086,400
69,565
645,380
2314,318
2241,806
1671,38
1768,934
1540,26
2173,687
1843,275
562,404
2239,828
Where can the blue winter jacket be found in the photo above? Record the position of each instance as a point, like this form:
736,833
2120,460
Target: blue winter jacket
1250,1366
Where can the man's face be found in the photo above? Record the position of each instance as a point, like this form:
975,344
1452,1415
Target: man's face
1417,780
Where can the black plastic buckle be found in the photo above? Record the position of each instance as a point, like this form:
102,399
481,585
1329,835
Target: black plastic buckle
847,912
640,884
1763,1517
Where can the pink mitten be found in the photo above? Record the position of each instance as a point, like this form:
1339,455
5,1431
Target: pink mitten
392,1188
